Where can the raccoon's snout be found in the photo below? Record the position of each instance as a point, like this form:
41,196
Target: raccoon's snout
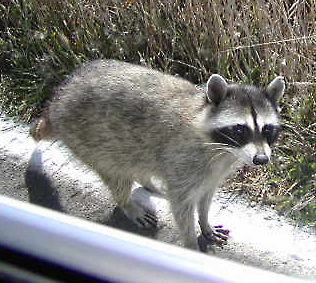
260,159
254,154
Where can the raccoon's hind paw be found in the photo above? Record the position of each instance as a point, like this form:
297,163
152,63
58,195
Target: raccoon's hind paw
215,236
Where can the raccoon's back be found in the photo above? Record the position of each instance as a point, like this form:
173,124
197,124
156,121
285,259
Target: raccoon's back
119,107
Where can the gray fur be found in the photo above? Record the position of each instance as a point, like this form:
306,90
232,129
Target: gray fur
130,123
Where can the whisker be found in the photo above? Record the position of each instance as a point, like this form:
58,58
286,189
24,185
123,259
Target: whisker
216,143
225,148
233,165
230,138
221,145
217,155
238,156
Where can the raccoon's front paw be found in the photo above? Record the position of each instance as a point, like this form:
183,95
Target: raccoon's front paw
214,236
141,216
141,210
148,220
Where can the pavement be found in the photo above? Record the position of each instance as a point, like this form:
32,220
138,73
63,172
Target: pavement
48,175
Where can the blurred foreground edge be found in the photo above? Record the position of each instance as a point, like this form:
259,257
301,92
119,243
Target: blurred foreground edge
41,245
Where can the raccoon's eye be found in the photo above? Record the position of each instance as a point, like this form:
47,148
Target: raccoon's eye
270,132
240,129
241,133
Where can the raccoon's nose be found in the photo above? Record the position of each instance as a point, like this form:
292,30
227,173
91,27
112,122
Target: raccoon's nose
260,159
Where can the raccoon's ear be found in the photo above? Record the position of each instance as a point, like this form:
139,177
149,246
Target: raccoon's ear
276,88
216,89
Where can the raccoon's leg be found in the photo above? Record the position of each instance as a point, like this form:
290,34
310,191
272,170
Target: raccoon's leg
183,212
210,235
149,186
133,207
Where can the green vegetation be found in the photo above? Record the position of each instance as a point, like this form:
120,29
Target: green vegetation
41,42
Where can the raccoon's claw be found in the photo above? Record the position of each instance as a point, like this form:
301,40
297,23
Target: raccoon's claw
148,221
217,236
141,211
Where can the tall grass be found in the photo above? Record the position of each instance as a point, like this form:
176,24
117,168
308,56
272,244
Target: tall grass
250,41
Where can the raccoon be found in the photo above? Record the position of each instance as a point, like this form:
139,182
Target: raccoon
131,123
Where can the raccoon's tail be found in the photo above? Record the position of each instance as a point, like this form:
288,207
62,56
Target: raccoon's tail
41,129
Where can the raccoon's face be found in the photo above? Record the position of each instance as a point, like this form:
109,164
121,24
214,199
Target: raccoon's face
244,120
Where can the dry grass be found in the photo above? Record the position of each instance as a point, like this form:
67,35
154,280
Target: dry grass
249,41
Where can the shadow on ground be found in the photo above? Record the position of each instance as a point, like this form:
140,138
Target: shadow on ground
40,188
42,192
120,221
